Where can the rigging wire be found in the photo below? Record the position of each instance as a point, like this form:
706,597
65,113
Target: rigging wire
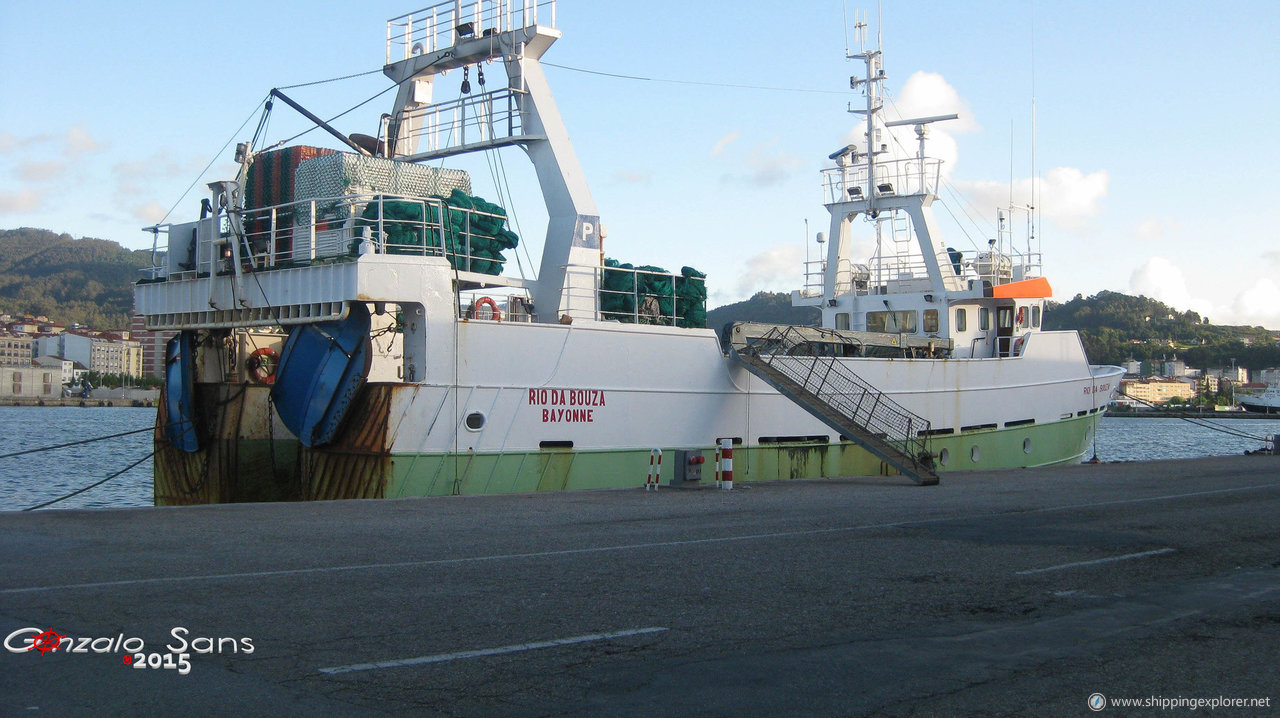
75,443
1204,423
347,111
215,157
90,486
332,79
693,82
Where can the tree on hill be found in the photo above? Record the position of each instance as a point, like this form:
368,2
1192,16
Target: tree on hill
69,280
765,307
1116,327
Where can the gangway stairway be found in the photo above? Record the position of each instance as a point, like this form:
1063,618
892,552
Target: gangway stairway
802,364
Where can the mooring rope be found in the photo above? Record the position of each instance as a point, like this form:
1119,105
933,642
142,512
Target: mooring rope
90,486
1204,424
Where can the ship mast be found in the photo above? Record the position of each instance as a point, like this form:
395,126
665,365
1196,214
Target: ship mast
863,184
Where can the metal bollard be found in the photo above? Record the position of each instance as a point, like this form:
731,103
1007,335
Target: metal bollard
725,473
655,470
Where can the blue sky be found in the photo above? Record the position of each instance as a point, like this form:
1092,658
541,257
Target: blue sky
1155,125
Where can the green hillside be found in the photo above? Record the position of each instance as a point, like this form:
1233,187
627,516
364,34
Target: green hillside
766,307
1116,327
66,279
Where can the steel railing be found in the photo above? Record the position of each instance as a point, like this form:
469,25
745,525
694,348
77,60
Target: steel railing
441,26
808,358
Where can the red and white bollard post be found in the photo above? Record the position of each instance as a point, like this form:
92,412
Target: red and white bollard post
655,470
724,470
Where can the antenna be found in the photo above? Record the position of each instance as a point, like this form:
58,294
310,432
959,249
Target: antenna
1035,179
879,25
806,245
844,15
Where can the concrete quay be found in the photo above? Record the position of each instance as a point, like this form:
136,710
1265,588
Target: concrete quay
995,593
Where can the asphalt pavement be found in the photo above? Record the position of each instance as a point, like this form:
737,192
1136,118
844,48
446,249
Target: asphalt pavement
995,593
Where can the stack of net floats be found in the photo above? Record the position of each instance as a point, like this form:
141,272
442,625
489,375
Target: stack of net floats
471,233
651,295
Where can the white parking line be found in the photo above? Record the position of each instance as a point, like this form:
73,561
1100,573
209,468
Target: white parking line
1096,561
482,652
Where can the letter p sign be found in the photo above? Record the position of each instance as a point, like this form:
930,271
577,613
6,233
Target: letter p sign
586,233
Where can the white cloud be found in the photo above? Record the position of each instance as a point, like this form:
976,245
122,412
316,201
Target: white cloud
719,147
20,202
150,212
78,141
1162,280
925,94
766,168
7,142
1156,227
1068,197
928,94
159,165
1258,305
41,171
777,268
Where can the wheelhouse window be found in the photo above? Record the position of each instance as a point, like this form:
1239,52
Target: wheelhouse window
892,322
962,320
931,321
984,319
1035,316
842,320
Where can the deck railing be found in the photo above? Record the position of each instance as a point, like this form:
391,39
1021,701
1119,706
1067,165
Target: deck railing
324,229
814,365
441,26
894,177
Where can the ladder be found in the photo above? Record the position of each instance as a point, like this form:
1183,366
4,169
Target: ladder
803,364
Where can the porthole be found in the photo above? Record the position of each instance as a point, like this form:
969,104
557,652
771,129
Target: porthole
1026,445
974,454
944,457
475,421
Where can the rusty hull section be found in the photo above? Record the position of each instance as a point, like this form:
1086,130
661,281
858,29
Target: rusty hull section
247,455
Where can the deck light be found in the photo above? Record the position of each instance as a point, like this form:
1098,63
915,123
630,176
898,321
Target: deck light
885,188
855,193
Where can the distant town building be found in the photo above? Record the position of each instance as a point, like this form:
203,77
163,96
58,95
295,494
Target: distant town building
152,346
16,350
103,353
1210,384
1133,366
65,367
1270,375
1174,367
29,383
1237,374
1158,391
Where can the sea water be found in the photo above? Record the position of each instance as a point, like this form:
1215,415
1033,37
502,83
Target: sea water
34,478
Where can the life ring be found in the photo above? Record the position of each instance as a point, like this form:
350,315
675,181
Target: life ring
1022,315
493,306
262,364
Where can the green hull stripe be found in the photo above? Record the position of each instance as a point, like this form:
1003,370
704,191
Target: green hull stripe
557,470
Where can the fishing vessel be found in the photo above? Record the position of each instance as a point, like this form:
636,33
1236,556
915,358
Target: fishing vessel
348,326
1266,402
